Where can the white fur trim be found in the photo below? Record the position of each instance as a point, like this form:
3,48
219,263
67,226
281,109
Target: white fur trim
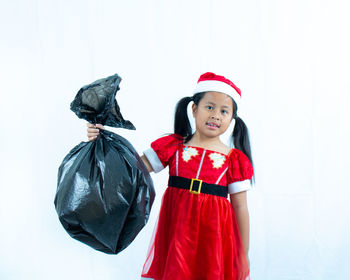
218,86
239,186
154,160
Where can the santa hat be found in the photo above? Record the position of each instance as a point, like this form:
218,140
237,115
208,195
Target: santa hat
212,82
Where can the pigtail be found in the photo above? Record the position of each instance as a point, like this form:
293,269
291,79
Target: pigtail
182,124
240,139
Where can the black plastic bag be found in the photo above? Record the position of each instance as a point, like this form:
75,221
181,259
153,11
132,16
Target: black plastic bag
96,103
104,191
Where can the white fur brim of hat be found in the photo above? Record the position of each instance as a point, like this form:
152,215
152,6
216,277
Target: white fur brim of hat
218,86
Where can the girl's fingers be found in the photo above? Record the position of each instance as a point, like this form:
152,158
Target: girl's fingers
92,138
94,125
89,135
93,130
91,125
100,126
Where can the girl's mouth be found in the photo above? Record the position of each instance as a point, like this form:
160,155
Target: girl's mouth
212,126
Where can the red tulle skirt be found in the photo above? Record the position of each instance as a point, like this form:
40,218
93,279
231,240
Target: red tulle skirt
196,237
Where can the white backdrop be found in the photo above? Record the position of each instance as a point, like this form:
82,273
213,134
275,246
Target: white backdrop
291,60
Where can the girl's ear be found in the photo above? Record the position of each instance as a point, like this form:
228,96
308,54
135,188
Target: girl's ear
194,109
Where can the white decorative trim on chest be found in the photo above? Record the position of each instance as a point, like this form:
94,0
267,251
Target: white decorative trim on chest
218,159
189,152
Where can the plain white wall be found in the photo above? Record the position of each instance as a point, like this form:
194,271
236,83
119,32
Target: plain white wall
291,60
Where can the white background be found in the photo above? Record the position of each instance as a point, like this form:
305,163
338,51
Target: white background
290,58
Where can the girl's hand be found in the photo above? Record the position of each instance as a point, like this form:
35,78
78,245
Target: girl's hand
93,130
248,261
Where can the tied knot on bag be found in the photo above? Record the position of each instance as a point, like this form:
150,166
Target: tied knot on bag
96,103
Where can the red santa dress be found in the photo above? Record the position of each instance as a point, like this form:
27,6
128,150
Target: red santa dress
196,236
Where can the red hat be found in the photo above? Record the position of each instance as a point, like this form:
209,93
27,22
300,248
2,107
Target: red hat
212,82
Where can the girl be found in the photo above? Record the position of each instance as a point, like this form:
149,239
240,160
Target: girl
199,234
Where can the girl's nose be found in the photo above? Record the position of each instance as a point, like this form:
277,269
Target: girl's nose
214,117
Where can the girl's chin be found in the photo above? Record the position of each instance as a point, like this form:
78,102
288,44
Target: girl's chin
209,133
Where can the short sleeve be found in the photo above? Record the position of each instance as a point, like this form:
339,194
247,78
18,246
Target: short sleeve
162,150
239,173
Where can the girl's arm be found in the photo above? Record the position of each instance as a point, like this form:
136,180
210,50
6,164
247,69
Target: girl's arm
146,162
93,131
239,204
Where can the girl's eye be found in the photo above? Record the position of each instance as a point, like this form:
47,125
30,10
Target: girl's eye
210,107
224,112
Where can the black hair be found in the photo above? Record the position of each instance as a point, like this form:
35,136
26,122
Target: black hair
240,134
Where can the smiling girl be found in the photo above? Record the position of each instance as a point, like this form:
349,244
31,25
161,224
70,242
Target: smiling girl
200,234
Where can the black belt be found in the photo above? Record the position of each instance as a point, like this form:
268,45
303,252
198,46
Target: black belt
197,186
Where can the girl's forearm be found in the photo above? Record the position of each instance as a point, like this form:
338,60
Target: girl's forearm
242,216
147,163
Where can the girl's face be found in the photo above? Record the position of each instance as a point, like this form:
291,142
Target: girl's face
213,114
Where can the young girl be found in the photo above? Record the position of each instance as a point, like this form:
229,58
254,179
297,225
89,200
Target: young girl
199,234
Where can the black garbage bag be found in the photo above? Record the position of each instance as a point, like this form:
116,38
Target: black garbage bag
96,103
104,191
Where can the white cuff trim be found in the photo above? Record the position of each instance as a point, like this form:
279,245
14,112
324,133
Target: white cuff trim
154,160
239,186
